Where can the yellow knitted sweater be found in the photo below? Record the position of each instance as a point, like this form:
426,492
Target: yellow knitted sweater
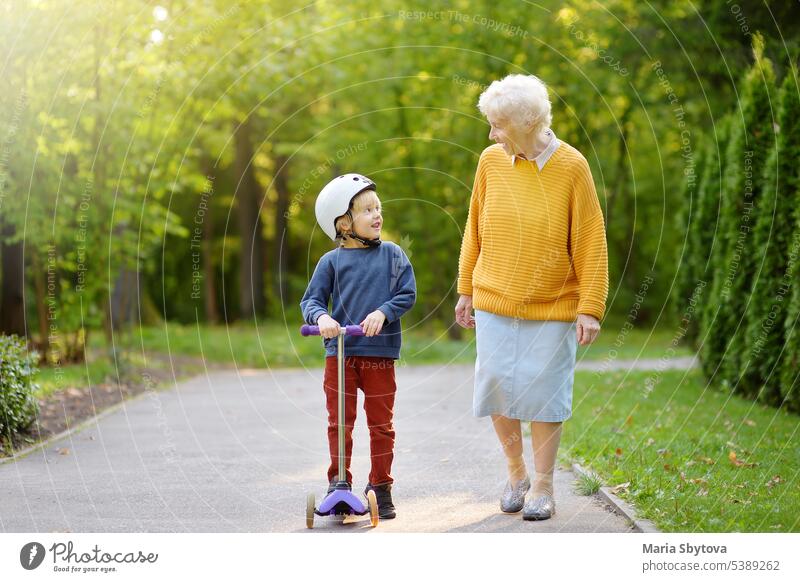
534,246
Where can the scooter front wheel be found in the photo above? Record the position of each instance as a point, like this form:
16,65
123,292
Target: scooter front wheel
310,505
374,518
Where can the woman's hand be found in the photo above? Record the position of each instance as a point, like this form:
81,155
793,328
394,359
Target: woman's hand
373,323
328,327
464,316
588,328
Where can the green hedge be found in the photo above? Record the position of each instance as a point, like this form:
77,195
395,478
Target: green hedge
18,407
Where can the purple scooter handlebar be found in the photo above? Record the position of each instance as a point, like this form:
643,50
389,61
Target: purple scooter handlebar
314,330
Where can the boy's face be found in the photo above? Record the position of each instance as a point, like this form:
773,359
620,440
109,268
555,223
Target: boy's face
367,219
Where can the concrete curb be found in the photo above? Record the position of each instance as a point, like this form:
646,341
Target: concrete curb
620,506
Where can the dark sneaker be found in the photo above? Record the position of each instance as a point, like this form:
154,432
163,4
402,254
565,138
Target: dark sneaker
383,494
341,485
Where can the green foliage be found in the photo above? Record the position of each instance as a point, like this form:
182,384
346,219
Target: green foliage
18,406
690,222
744,190
122,116
773,232
789,366
696,271
747,336
751,137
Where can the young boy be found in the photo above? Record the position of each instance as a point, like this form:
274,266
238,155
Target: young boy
369,283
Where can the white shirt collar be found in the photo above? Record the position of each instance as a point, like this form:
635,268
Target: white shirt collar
548,151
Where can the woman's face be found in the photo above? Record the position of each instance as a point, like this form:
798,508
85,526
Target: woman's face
506,134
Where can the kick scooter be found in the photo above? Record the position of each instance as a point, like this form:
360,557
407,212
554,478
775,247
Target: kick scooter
340,501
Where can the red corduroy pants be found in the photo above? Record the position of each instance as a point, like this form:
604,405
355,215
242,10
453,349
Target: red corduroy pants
375,377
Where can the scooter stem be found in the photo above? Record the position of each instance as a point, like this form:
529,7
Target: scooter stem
340,365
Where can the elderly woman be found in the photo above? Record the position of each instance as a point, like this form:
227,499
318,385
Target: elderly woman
534,266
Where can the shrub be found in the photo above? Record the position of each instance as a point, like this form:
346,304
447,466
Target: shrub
18,407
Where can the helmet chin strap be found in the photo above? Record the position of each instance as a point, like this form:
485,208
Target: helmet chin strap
370,242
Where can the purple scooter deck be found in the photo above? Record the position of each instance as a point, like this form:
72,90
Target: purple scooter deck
334,498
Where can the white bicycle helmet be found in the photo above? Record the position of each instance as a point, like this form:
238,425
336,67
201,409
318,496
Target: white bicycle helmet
334,200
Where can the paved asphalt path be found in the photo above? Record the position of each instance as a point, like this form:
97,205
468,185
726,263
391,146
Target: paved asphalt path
237,451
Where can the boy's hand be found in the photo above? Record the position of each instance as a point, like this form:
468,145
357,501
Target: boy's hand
373,323
328,327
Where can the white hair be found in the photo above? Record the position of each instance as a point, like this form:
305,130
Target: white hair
520,99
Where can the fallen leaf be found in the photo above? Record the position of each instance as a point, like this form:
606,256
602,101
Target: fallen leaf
63,451
621,487
618,452
737,462
738,448
774,481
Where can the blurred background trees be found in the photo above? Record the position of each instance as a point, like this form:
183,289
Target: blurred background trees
161,160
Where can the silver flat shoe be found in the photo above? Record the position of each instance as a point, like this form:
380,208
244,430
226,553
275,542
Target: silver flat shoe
513,499
543,507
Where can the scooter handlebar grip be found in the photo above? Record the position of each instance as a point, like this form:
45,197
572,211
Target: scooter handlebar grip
354,330
307,330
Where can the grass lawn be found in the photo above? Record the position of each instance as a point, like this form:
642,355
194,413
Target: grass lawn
51,380
690,458
278,344
100,367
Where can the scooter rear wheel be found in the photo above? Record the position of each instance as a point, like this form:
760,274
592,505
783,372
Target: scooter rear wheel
310,505
374,518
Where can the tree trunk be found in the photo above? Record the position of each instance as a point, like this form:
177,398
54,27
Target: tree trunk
99,166
251,272
41,308
209,281
123,308
620,211
281,242
12,307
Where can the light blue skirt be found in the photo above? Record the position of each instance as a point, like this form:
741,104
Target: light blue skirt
525,369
